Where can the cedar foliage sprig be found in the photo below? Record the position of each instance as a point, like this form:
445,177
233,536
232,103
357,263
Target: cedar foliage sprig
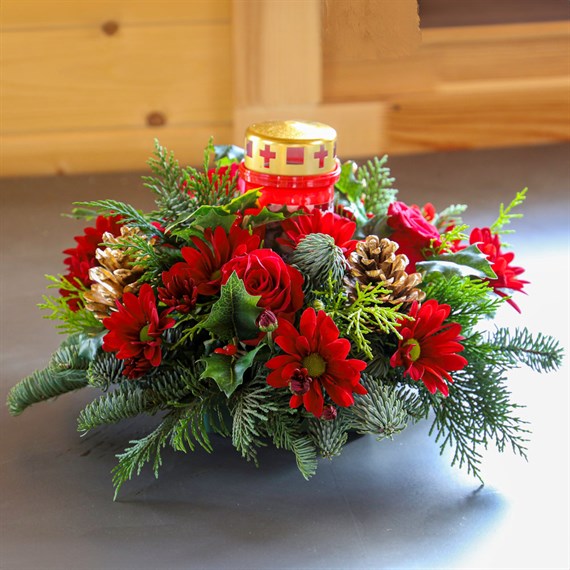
71,321
379,193
365,316
505,215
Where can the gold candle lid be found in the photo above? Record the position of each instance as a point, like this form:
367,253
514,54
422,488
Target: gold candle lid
290,148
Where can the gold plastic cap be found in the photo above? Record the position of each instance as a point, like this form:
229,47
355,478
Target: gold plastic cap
290,148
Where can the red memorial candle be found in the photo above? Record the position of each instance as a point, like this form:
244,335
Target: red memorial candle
293,163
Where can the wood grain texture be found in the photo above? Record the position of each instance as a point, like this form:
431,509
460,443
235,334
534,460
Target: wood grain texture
476,115
27,14
103,151
80,79
517,51
277,52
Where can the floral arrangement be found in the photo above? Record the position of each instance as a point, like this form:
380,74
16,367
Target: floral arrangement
291,327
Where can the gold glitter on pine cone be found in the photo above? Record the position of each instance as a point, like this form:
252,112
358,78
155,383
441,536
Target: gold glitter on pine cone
375,262
114,276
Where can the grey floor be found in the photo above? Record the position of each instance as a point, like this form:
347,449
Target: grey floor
380,505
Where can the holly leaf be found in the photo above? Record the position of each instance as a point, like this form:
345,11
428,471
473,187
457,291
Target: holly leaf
234,313
202,218
219,368
243,201
226,371
348,184
469,262
265,216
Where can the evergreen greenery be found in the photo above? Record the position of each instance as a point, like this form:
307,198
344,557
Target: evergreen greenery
380,412
506,215
131,398
378,193
329,437
71,321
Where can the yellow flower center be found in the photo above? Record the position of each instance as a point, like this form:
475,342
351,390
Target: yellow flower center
416,350
315,364
143,335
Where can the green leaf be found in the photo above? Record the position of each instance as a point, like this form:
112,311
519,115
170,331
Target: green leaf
265,216
243,201
227,372
348,184
234,313
469,262
219,368
245,362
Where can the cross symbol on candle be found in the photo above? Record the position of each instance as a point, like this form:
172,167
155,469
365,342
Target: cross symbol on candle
321,155
267,155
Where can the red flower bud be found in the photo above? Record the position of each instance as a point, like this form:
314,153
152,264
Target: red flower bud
329,413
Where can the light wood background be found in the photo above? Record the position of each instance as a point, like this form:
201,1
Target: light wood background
87,85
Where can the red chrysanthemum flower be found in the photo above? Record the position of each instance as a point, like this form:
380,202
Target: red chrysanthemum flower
412,232
319,222
214,251
507,275
82,257
179,291
315,359
135,331
428,348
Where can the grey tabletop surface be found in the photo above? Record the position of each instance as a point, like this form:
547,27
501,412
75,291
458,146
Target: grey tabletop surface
389,504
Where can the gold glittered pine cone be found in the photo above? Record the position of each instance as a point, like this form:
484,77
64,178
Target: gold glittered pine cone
114,276
375,262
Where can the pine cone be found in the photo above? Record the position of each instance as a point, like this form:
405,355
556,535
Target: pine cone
375,262
114,276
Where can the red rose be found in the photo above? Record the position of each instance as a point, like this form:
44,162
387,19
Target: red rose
412,232
264,273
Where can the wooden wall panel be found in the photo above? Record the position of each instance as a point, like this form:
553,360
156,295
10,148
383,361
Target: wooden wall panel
480,115
87,85
26,14
105,150
480,53
77,79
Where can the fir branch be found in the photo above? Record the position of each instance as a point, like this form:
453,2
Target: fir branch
144,450
378,194
132,398
105,370
329,437
250,407
505,215
542,353
66,371
42,385
131,216
471,300
286,431
380,412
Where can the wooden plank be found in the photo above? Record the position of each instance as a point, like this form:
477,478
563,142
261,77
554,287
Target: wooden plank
517,51
367,30
27,14
277,52
476,115
103,151
80,78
